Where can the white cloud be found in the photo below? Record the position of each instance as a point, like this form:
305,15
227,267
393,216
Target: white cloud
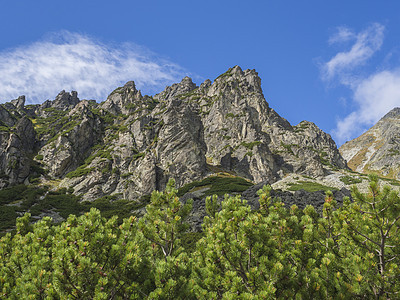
374,96
72,61
366,43
343,34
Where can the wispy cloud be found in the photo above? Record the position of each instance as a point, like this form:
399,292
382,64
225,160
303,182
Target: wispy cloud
74,61
373,95
343,34
366,43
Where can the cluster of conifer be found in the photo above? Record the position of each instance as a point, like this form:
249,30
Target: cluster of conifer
274,252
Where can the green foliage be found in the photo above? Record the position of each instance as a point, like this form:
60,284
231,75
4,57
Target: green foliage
39,157
350,180
21,198
5,128
16,199
393,152
8,215
288,147
350,252
80,171
226,74
163,226
111,206
218,185
309,186
371,224
323,158
250,145
138,155
150,102
249,153
61,202
91,257
240,256
51,124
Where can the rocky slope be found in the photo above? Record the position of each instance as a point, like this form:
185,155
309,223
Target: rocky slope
131,144
378,149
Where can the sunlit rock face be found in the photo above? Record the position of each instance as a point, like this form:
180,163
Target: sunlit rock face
131,144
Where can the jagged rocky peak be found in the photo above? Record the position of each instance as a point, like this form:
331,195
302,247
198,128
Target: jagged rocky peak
83,108
16,147
63,101
132,144
393,114
25,130
19,102
6,117
237,80
184,87
205,85
123,100
378,149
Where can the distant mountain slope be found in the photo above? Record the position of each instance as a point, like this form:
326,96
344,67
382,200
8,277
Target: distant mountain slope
130,144
378,149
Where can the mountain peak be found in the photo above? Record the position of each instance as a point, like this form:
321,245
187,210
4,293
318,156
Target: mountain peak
19,102
378,149
131,144
185,86
123,99
394,113
63,101
237,70
130,85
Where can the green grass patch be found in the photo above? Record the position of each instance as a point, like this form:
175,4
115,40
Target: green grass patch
26,195
288,147
250,145
5,128
309,186
226,74
61,202
79,172
138,155
218,185
393,152
109,206
391,181
350,180
67,204
8,215
22,192
39,157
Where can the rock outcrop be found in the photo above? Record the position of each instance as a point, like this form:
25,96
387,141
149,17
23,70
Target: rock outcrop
64,101
378,149
16,147
131,144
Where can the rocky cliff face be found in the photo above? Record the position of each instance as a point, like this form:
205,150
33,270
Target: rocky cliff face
378,149
131,144
17,144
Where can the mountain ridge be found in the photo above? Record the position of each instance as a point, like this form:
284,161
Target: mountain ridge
131,144
378,149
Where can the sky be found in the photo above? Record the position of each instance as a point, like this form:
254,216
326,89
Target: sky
334,63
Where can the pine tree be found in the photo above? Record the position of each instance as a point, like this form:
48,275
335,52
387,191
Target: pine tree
371,227
163,226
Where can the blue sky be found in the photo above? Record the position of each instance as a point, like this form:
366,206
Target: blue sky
335,63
